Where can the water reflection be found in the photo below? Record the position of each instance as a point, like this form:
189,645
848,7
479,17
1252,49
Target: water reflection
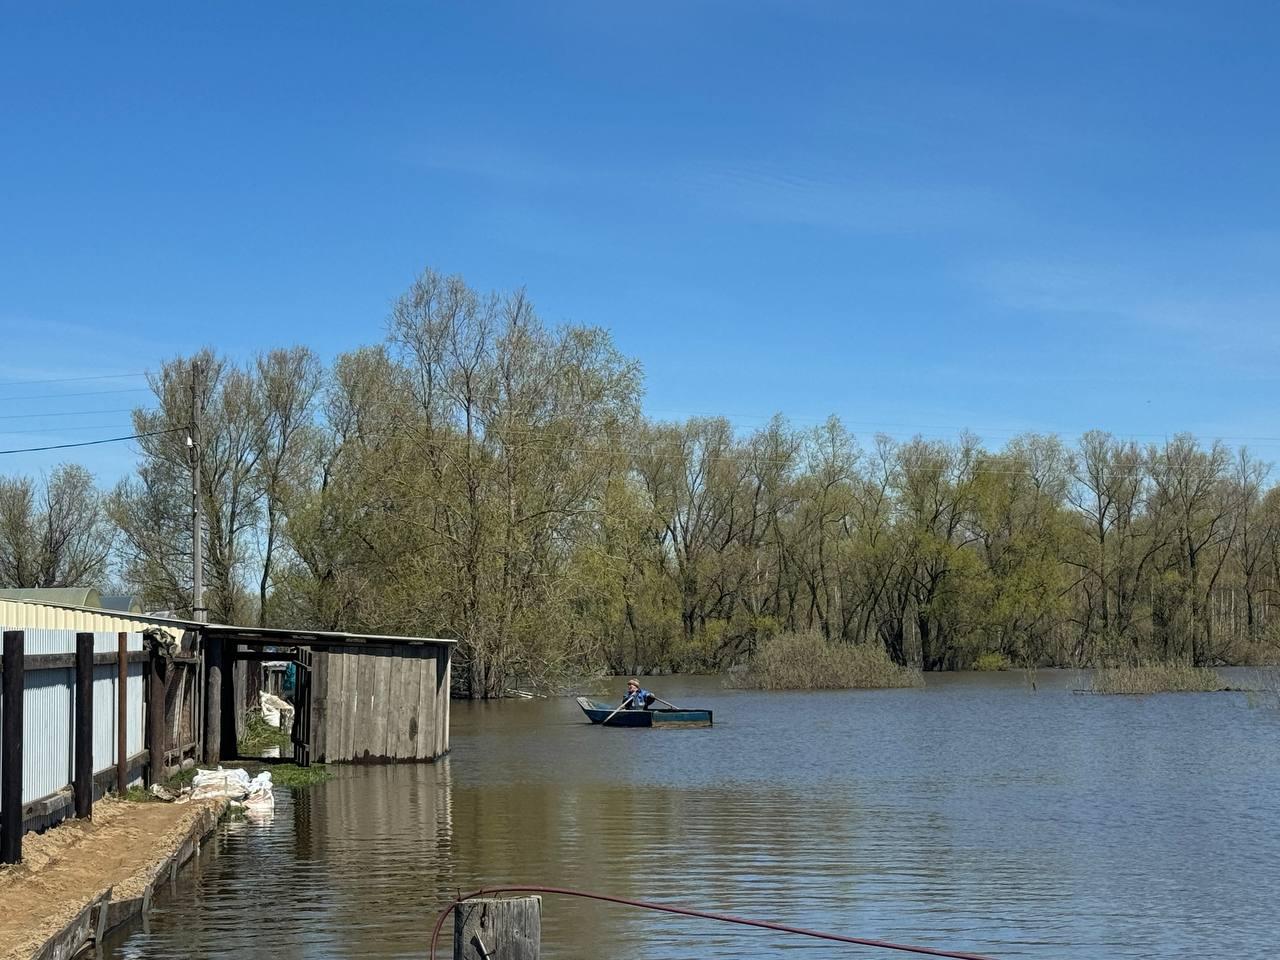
972,814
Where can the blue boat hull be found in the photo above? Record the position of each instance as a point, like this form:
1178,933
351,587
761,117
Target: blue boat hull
604,713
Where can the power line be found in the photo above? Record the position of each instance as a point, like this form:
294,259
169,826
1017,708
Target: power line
92,443
66,413
105,376
91,393
57,430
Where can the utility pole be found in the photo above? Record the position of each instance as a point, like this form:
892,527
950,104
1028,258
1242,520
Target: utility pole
211,650
198,610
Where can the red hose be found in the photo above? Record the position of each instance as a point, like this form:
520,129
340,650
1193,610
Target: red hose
686,912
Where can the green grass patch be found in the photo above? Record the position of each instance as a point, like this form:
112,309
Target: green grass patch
291,775
806,661
174,784
287,774
182,778
1157,678
260,736
282,775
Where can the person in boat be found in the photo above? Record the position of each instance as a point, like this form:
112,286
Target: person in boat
637,698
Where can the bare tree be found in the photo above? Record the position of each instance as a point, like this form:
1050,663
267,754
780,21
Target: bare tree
56,533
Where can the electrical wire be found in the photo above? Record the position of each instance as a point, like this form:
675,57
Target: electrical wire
55,431
699,914
105,376
92,443
62,396
70,413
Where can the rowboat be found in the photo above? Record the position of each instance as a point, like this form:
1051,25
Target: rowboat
604,713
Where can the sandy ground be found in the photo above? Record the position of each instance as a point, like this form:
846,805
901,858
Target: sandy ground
64,868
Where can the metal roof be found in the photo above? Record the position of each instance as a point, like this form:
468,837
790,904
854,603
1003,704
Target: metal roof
71,596
283,635
21,613
120,601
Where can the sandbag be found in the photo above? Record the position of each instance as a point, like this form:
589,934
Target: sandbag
232,784
261,796
277,712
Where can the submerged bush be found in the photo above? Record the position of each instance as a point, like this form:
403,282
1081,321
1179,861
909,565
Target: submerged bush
1243,653
1157,678
992,661
806,661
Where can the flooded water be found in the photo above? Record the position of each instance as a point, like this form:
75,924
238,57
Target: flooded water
974,814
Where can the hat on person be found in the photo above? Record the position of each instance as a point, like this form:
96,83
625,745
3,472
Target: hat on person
633,681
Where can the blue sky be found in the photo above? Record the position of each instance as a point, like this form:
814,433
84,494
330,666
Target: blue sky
1039,215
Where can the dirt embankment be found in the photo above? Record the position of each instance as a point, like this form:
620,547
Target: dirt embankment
65,868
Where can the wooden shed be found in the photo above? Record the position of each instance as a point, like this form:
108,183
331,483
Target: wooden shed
362,698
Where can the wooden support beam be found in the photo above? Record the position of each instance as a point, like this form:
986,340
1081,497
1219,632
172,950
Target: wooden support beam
228,706
493,929
82,784
212,699
157,735
122,714
67,661
292,655
11,743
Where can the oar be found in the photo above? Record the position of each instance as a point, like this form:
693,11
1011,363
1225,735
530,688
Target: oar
668,703
620,706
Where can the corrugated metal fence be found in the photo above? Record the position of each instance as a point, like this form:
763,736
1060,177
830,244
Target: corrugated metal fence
49,711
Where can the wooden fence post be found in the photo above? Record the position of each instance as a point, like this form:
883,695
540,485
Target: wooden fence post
230,702
83,781
122,714
157,743
11,736
213,669
493,929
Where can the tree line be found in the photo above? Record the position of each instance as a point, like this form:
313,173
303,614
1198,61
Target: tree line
483,476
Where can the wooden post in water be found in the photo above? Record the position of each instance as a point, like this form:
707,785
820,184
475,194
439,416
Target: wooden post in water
122,713
493,929
83,782
11,743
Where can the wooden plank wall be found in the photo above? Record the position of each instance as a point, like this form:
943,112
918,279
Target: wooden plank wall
380,703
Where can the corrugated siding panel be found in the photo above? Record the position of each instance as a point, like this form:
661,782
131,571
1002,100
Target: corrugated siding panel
48,756
48,750
105,679
32,615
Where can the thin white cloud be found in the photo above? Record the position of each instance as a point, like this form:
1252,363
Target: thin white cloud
790,195
1220,299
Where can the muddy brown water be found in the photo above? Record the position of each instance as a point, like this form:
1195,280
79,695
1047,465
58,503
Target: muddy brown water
973,814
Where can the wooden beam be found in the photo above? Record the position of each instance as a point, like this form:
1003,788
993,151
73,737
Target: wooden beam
11,743
122,714
157,746
82,784
263,656
181,750
228,705
427,707
488,929
67,661
212,699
